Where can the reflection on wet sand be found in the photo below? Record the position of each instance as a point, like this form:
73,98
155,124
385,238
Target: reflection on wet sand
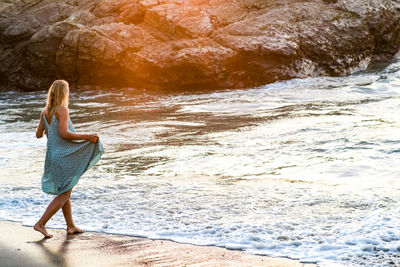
56,255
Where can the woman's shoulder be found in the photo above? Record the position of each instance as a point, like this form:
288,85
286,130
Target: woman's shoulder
62,110
62,113
44,112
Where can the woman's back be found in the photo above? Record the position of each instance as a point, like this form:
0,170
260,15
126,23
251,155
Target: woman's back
52,130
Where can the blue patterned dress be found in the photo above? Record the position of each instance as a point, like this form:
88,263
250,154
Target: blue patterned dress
66,160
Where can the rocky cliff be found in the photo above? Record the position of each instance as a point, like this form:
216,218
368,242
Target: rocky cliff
191,44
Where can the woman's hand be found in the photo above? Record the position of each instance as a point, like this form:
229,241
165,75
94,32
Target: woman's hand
92,137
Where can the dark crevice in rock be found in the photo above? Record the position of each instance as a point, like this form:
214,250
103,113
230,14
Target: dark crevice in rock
76,73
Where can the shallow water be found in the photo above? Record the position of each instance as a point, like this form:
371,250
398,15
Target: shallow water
303,168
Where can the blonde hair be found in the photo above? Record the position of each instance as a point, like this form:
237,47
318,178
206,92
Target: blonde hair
58,95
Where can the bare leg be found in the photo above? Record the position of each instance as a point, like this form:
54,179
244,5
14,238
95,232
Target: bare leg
51,209
67,211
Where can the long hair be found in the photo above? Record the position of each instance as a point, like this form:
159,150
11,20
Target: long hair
57,96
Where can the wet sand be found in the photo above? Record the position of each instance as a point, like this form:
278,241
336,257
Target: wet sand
22,246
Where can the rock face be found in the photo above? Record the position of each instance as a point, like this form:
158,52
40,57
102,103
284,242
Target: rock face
191,44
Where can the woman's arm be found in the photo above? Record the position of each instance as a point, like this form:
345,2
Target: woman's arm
40,128
63,128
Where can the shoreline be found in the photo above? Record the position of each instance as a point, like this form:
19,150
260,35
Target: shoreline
22,246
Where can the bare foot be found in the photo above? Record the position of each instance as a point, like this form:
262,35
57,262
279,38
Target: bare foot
74,230
42,229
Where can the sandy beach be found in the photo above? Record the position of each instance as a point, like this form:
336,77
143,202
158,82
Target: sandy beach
22,246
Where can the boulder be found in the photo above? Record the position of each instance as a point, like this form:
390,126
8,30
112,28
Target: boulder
191,44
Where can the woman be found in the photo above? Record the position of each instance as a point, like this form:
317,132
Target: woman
66,160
